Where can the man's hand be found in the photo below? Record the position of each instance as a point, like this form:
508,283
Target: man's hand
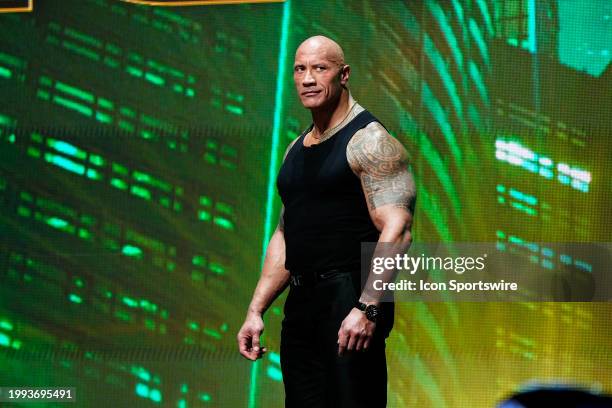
248,337
355,332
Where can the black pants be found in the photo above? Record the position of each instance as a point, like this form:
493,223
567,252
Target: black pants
313,373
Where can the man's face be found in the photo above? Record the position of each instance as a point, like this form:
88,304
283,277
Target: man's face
318,76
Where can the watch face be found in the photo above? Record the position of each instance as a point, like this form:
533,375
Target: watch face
371,312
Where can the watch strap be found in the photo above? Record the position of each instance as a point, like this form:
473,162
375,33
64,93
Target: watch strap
371,311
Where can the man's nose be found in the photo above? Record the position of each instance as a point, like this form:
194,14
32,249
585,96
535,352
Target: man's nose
308,79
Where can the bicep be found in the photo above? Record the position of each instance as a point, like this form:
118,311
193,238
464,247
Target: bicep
394,189
381,162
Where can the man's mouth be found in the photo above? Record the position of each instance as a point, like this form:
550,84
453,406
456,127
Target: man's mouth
310,93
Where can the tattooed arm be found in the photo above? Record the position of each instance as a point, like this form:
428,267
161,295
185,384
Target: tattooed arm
381,163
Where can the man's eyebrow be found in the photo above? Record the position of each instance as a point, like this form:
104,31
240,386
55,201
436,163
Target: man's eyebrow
315,62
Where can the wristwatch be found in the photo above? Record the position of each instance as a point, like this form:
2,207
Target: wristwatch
371,311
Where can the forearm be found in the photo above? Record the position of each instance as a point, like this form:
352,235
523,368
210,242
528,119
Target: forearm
395,239
274,277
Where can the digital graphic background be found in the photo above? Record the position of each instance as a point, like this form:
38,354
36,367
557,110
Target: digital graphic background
138,152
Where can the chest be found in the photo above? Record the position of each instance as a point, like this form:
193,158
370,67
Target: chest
321,168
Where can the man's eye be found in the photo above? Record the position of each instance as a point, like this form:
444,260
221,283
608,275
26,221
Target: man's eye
320,68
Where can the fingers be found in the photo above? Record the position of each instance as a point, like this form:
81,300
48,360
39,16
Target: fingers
255,343
342,341
353,341
249,352
249,345
353,338
364,341
244,345
359,344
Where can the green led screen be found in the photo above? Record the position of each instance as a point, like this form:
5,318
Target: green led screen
138,152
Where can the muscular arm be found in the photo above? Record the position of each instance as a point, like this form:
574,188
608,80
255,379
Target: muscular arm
272,282
274,277
381,163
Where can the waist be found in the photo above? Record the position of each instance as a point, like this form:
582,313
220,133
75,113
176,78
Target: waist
310,278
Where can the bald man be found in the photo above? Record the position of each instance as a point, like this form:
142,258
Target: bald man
343,181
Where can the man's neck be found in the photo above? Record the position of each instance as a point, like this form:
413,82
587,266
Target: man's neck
325,119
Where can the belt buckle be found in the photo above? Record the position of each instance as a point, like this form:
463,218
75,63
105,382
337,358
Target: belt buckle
296,280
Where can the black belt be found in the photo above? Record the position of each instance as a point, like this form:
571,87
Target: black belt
310,279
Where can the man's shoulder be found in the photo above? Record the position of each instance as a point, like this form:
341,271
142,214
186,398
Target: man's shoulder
374,129
373,145
373,132
358,109
291,145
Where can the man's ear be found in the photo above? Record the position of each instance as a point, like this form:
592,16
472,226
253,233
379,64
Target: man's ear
345,73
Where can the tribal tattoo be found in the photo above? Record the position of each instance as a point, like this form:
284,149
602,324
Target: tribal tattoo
381,162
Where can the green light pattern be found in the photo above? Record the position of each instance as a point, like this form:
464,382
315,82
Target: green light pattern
6,325
133,71
531,26
12,60
438,97
118,183
131,250
139,176
154,79
441,67
74,91
104,118
216,268
66,148
274,373
7,121
98,47
5,72
449,35
148,179
83,37
224,223
278,112
437,111
484,11
5,340
212,333
480,42
67,103
65,163
478,80
77,49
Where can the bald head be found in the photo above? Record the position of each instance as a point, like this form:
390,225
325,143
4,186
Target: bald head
319,72
324,47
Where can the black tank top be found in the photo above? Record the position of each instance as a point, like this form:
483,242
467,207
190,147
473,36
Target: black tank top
326,216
